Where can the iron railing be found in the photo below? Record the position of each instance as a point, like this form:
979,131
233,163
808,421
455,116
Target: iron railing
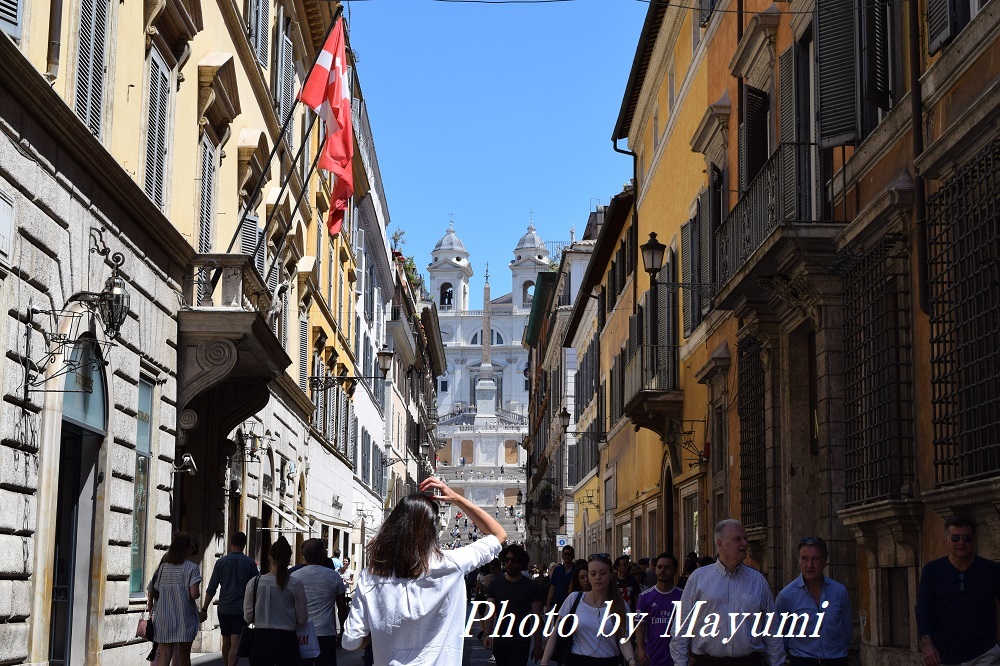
651,368
753,445
878,402
778,193
964,283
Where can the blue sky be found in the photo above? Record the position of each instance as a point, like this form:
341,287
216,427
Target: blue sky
490,112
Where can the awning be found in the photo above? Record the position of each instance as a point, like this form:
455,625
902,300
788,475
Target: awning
329,520
297,526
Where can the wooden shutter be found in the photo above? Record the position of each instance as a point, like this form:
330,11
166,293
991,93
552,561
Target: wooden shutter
706,236
10,17
304,354
284,319
667,323
156,129
786,130
942,23
686,275
287,85
837,73
259,26
92,53
875,42
755,131
741,142
206,198
633,336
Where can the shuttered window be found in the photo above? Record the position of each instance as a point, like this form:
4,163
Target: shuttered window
90,71
206,196
258,28
787,128
837,73
156,129
706,233
252,241
10,17
284,75
875,16
666,321
705,15
686,277
304,353
756,131
942,22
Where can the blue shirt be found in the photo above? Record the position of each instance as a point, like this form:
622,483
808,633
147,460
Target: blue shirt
835,631
233,571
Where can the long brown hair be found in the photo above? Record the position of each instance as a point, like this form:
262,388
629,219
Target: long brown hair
408,538
281,555
618,606
180,548
574,581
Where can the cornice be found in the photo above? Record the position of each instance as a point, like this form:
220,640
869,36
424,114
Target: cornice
756,51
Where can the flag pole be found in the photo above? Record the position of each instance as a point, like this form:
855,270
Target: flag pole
281,136
284,232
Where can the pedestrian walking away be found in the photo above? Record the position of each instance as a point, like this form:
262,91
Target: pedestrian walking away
325,592
409,604
175,587
280,607
233,571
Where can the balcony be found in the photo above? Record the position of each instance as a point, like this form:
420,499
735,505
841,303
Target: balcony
400,329
769,224
224,335
652,387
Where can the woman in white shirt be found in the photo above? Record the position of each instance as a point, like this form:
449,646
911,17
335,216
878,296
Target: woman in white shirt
410,600
590,649
280,607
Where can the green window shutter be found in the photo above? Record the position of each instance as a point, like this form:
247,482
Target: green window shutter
837,73
686,276
304,354
206,199
156,129
10,17
943,23
756,109
875,43
706,234
92,53
786,129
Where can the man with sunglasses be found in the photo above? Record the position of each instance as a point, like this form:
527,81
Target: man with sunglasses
523,598
956,602
560,577
809,595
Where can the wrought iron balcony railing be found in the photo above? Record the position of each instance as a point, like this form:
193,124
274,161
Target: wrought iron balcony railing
652,368
779,193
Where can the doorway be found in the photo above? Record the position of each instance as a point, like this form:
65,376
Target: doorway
78,453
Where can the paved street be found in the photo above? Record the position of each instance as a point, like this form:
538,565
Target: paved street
475,655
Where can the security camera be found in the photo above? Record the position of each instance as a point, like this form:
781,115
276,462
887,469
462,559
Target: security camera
187,464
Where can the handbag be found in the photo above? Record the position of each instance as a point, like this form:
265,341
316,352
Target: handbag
146,628
564,644
308,643
246,636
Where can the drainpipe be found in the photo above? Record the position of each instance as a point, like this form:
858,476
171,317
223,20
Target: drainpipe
55,31
919,234
635,218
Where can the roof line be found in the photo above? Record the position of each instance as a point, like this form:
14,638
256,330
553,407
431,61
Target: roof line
640,64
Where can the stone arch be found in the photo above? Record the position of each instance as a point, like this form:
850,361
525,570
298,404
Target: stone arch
446,296
527,291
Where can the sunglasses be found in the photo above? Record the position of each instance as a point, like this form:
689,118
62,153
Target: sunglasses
964,538
599,556
510,559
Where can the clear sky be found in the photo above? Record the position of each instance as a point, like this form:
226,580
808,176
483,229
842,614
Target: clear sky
494,113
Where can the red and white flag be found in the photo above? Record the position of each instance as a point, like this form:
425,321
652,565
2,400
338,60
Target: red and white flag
327,92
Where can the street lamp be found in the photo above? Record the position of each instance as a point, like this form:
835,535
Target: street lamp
652,254
564,422
323,383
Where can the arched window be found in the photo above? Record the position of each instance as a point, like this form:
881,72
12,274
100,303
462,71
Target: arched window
447,294
496,338
527,292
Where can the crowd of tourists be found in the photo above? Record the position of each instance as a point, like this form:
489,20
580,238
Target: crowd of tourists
416,602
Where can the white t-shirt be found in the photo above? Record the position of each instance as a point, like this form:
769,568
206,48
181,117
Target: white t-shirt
322,585
586,642
417,620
